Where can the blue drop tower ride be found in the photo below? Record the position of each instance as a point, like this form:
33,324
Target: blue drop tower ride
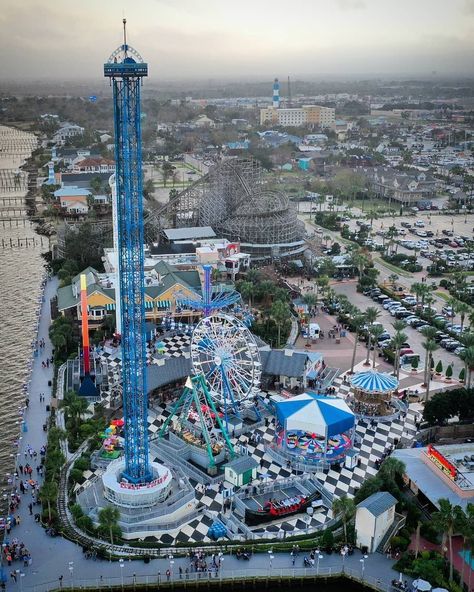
126,69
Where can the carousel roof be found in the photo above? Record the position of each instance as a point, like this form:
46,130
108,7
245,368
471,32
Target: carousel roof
374,382
325,416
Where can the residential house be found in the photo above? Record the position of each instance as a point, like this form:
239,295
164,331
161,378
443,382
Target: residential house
67,131
404,188
73,199
94,164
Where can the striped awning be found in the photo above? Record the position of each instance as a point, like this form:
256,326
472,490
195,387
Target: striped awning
148,304
374,382
163,304
110,306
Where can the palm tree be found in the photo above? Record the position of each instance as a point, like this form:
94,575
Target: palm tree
397,342
465,526
421,291
445,520
393,469
462,308
280,312
247,289
453,303
322,284
108,518
376,331
392,278
344,507
311,300
467,356
75,407
49,494
360,260
371,315
430,346
326,239
372,215
429,332
358,322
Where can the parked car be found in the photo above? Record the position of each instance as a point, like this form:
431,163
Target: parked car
411,320
420,224
448,311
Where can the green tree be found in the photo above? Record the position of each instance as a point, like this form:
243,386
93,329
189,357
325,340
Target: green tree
371,315
166,172
48,495
96,185
108,522
467,356
462,308
344,508
430,346
445,520
439,367
247,289
449,371
280,312
397,342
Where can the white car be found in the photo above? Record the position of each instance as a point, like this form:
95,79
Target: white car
419,224
411,320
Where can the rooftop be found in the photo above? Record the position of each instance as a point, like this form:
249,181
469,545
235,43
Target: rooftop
378,503
193,232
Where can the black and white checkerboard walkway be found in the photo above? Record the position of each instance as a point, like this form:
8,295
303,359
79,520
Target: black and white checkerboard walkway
371,442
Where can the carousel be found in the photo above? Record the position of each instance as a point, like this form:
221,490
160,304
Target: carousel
373,393
314,428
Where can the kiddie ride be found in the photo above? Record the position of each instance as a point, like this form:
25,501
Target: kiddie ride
112,443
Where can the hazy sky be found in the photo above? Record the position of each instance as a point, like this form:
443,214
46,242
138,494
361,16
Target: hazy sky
211,38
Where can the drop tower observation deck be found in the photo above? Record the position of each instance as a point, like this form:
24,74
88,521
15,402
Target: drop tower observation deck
126,68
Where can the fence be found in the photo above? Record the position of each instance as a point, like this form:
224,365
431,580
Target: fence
224,577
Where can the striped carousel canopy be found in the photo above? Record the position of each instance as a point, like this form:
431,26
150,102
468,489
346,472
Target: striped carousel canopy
374,382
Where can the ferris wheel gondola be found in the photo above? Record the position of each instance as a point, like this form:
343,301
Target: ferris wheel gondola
225,352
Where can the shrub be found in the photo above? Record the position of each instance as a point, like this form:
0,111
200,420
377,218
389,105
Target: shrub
400,543
429,532
82,463
449,371
85,523
76,511
439,367
462,375
327,540
414,363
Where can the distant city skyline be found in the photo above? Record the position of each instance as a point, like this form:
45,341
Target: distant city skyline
47,39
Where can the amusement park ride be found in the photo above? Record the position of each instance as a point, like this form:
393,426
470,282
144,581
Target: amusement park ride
126,69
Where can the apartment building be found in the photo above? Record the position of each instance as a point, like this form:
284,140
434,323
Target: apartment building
306,115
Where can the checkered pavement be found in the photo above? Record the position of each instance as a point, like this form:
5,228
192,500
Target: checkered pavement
371,441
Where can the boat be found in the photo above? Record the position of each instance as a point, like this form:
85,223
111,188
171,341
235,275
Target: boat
275,509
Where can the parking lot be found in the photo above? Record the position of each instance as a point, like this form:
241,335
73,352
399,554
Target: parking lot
415,337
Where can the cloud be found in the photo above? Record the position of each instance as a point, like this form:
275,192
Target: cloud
351,4
469,7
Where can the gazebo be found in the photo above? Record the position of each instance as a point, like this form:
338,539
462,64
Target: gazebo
314,427
373,392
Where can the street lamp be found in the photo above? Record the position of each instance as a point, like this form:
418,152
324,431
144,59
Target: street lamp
362,565
343,554
171,564
71,571
271,557
317,564
122,565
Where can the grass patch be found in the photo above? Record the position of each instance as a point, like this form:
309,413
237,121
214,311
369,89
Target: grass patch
442,295
394,268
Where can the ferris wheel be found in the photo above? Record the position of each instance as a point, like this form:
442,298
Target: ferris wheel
225,352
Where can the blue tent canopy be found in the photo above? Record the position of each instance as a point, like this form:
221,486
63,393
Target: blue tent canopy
325,416
374,382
